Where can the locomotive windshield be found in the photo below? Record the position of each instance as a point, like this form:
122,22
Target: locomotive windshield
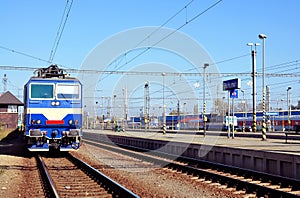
62,91
41,91
68,91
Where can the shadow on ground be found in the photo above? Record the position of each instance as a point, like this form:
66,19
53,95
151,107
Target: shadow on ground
13,144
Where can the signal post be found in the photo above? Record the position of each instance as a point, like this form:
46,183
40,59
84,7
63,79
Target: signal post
232,87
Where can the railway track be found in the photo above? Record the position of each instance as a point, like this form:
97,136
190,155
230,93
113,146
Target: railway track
67,176
34,184
243,182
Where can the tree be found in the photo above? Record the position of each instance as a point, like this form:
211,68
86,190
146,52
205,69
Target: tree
196,111
173,112
220,106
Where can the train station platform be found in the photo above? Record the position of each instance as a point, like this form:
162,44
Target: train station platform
246,150
275,142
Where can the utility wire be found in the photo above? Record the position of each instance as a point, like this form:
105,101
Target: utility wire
295,62
165,23
63,23
24,54
152,33
60,29
171,33
158,73
222,61
167,36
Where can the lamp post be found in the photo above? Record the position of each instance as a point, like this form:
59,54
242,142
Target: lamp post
102,106
184,112
164,107
243,109
114,108
223,113
282,114
289,107
253,54
172,114
204,98
197,85
147,105
125,108
264,127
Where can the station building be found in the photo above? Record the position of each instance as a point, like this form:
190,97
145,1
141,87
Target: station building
9,115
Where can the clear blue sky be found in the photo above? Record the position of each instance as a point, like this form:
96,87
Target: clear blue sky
30,27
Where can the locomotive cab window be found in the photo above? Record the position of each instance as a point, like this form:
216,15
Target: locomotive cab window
44,91
68,91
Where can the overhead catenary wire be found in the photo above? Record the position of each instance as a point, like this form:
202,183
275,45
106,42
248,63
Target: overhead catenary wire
61,28
65,17
223,61
154,31
23,54
170,34
147,73
165,23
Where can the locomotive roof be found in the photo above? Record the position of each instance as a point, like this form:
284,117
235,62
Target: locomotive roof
68,79
53,78
51,74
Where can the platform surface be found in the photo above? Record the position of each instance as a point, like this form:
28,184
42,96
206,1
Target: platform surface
275,141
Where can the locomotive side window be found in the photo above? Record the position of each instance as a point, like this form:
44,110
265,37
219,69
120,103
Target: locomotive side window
41,91
68,91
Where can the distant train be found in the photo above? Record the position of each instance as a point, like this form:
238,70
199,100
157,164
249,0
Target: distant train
275,121
52,111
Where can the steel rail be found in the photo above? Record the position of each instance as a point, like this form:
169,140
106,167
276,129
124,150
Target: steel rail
52,189
208,170
115,188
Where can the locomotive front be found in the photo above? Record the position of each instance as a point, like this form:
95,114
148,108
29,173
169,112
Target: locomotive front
53,111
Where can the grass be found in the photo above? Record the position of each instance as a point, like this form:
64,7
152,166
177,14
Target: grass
4,133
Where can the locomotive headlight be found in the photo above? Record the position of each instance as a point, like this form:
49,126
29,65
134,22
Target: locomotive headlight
76,122
57,103
52,103
38,121
70,122
32,121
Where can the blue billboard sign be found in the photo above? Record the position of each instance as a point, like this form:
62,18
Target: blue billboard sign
232,84
234,93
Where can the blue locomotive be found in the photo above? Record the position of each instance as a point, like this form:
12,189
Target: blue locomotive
52,111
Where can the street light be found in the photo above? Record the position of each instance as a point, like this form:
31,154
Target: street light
125,108
164,107
184,112
147,105
204,98
253,44
197,85
282,114
102,112
264,135
289,106
253,53
114,108
244,103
